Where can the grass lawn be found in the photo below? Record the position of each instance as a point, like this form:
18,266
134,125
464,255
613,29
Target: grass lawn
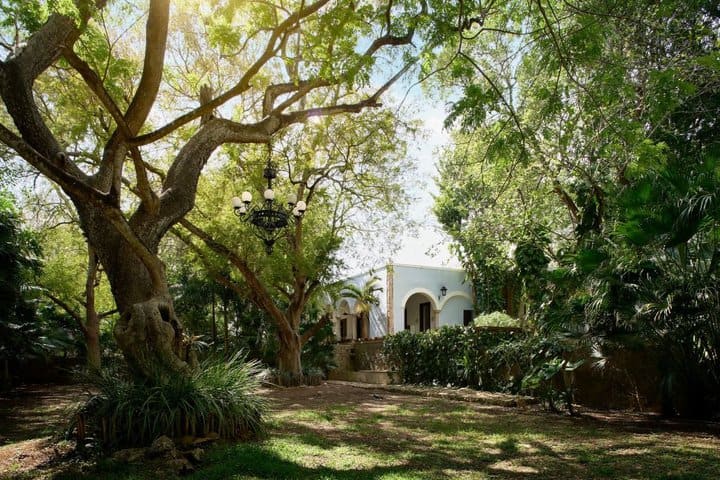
341,432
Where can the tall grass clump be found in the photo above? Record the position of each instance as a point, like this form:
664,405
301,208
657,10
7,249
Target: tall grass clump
219,397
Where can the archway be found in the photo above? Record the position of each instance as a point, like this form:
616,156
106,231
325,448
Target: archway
420,311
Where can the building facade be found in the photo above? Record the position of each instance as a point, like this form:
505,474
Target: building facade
415,298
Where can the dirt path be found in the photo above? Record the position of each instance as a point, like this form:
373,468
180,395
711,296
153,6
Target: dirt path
34,411
29,417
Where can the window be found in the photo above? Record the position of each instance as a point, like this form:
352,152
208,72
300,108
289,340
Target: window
424,316
467,317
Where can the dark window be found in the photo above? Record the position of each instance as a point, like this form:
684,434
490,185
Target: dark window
358,327
407,327
424,316
343,328
467,317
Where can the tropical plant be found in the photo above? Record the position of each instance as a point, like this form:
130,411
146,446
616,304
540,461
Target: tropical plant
585,165
24,333
220,397
365,299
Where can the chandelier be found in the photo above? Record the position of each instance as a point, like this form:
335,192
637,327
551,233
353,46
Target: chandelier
268,218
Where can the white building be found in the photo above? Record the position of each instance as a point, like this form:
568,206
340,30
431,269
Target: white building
414,298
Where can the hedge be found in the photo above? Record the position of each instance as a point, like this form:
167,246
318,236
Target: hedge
455,356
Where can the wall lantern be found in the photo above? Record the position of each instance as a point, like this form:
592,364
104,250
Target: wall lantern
443,290
268,218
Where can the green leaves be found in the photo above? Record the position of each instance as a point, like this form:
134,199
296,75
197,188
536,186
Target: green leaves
30,15
218,397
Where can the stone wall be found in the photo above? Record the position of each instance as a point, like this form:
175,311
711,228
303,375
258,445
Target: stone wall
360,362
629,379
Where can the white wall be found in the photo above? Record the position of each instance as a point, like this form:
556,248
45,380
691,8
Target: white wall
452,309
415,285
409,279
412,306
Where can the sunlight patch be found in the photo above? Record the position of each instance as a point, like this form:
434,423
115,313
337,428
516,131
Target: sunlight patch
509,466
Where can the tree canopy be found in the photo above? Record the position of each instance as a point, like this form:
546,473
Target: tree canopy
587,155
107,98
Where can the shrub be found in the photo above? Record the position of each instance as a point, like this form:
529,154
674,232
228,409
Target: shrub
449,356
496,319
503,360
219,397
318,353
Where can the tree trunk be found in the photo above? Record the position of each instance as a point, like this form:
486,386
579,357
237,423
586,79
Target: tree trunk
91,331
5,374
226,328
365,325
214,319
148,331
92,346
289,362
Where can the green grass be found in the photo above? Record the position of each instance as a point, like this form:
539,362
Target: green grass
420,438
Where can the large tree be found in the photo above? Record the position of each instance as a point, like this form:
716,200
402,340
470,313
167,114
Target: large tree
352,173
92,115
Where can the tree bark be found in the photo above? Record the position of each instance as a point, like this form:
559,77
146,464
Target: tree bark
148,331
91,332
92,346
226,327
289,362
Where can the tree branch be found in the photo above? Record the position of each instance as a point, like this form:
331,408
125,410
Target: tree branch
73,186
68,309
93,81
243,84
155,45
262,297
313,330
372,101
302,88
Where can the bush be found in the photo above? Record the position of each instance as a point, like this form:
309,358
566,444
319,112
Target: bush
496,319
498,360
218,397
455,356
318,354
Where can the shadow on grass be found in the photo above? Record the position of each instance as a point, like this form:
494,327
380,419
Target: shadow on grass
258,462
401,438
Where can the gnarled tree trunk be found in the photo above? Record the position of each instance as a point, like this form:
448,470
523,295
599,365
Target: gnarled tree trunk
148,331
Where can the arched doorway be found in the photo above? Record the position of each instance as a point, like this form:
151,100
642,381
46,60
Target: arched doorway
420,311
345,321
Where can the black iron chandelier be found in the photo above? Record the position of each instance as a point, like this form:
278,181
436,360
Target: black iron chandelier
269,219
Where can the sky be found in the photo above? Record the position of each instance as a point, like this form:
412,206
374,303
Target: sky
430,247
